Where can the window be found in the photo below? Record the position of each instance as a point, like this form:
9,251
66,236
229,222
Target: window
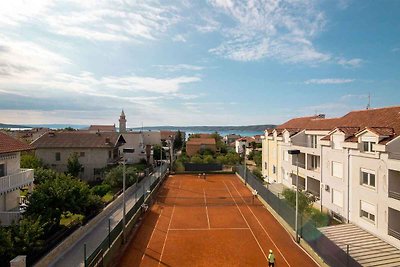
58,156
274,169
109,154
337,198
285,155
314,162
266,165
337,169
367,146
367,211
367,178
314,141
81,154
2,170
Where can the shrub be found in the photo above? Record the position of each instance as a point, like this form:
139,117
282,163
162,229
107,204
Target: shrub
208,159
319,218
101,189
258,174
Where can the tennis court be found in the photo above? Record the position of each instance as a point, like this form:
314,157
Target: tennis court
210,222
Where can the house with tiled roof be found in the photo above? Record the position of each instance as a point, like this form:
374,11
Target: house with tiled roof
350,164
95,150
12,178
102,128
196,145
244,143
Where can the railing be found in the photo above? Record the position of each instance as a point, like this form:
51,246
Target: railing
394,233
13,181
395,195
155,180
7,217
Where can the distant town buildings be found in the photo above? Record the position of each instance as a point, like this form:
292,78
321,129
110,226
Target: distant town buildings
230,138
350,164
12,178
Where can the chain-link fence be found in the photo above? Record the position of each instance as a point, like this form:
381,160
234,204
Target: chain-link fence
149,185
332,254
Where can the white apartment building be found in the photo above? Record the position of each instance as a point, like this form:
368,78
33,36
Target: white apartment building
12,178
350,164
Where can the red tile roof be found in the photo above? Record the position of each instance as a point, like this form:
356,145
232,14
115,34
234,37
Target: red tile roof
201,141
9,144
383,121
77,140
102,128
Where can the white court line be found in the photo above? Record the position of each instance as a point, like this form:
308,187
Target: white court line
251,230
169,224
280,252
207,229
152,233
205,201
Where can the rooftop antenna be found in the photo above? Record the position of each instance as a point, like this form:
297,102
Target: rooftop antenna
369,101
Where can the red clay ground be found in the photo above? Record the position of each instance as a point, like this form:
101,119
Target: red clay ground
212,222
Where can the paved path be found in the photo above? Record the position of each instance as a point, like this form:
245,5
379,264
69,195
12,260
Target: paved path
75,255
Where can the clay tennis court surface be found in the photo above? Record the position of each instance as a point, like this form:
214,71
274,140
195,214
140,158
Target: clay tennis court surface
210,222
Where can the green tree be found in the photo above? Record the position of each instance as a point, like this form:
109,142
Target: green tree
257,173
156,152
30,161
232,158
114,177
178,141
196,159
304,201
42,175
221,159
208,159
69,129
55,197
74,167
6,246
27,236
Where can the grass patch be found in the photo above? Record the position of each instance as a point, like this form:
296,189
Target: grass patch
69,218
108,197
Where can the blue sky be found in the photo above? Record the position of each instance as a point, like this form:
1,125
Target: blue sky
216,62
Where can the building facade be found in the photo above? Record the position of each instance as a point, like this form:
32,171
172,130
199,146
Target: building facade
12,178
95,150
350,165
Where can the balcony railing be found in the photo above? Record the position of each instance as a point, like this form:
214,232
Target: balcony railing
7,217
17,180
395,195
394,233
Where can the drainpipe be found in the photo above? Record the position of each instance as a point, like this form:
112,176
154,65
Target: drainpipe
348,185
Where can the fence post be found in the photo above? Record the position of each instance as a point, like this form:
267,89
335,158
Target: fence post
84,254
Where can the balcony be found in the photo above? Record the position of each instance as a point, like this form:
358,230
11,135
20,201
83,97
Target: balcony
17,180
7,217
394,184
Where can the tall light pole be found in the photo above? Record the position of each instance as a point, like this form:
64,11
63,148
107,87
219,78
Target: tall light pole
245,164
296,152
125,150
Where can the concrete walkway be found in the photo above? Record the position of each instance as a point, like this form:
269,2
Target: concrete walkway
74,256
365,248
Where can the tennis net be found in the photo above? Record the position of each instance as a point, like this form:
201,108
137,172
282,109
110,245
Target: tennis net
208,201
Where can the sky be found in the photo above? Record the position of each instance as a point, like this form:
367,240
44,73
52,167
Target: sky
214,62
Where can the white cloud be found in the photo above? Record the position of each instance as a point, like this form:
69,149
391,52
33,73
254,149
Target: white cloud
281,30
105,20
179,38
179,67
353,63
329,81
208,24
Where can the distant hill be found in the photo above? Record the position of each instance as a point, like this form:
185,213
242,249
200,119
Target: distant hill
7,126
250,128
